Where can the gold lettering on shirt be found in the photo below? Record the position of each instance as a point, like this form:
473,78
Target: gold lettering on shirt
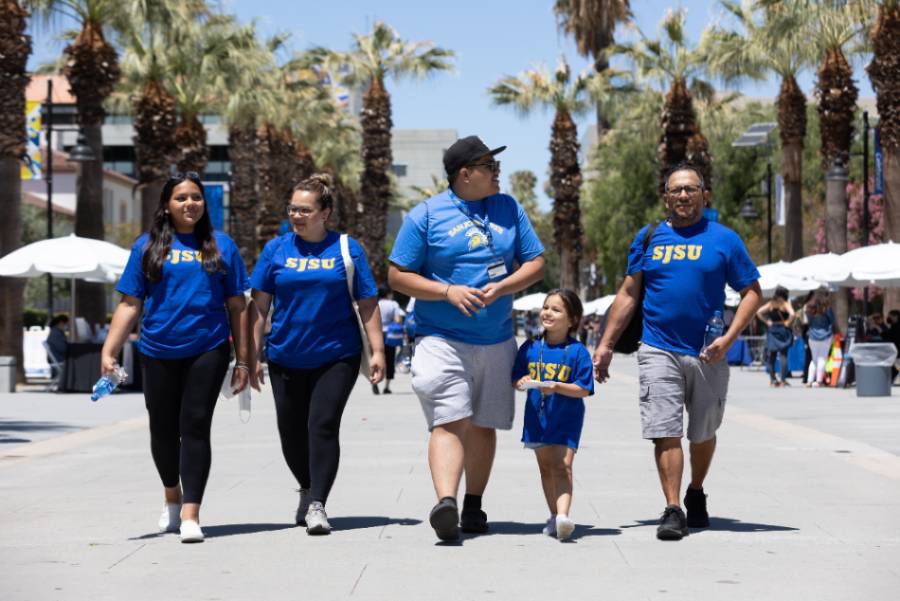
694,251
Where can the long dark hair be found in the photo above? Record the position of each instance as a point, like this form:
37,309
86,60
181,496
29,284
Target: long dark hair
572,303
162,231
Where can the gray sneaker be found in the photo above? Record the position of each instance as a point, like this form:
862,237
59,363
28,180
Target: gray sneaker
317,519
303,507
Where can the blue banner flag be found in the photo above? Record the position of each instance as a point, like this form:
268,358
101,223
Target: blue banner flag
879,164
215,198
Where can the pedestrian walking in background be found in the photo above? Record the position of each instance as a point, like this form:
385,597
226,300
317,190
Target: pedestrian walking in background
315,347
457,253
391,314
188,280
820,319
682,270
557,373
778,315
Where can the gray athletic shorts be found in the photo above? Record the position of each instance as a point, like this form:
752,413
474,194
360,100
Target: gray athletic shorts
455,380
672,382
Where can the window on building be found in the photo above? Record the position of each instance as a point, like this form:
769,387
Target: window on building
399,170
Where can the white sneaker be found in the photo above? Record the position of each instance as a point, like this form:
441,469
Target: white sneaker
170,518
317,519
303,507
564,527
550,528
190,532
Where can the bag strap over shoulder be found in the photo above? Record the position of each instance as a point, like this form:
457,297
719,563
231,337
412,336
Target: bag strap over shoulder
349,267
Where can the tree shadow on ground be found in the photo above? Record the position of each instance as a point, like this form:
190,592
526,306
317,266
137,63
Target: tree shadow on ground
723,524
358,522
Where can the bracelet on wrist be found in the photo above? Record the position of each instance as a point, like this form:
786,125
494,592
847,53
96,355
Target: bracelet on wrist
447,291
242,366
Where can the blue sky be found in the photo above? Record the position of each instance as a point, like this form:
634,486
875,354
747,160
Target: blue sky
492,38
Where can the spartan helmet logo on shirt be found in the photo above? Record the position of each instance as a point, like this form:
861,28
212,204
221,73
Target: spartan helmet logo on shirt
476,238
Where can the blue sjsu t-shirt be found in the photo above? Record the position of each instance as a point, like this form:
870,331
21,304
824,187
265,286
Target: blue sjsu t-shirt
684,272
312,316
443,239
555,418
184,312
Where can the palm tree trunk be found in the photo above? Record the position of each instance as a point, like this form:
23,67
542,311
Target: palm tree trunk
681,140
15,47
884,71
155,121
837,103
190,143
565,179
791,104
601,64
90,298
836,239
243,198
277,175
375,186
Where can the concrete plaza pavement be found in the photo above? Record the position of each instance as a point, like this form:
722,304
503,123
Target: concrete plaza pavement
804,494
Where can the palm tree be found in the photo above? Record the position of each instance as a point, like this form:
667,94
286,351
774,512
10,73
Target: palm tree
671,62
768,44
15,47
375,57
884,72
568,97
92,68
592,24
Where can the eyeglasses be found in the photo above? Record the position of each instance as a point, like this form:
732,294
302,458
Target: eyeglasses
689,190
493,166
302,211
186,175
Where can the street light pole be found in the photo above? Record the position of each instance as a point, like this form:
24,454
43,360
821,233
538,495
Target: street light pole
48,177
769,209
865,221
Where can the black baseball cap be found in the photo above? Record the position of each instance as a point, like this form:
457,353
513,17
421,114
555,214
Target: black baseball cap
464,151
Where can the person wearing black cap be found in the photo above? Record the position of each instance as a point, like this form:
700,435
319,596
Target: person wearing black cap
463,253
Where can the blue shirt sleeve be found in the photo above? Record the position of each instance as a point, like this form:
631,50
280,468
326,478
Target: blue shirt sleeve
528,245
411,245
133,282
583,370
263,278
636,253
236,281
363,280
741,270
520,367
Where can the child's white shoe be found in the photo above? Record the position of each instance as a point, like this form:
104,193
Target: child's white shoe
170,518
550,527
564,527
191,532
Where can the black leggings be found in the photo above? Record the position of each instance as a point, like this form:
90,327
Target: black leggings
309,404
770,364
180,395
390,358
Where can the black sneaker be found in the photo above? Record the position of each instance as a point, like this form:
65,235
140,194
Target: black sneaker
695,503
473,521
375,389
444,518
673,524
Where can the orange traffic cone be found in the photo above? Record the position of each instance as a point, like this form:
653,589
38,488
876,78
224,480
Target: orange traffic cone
837,358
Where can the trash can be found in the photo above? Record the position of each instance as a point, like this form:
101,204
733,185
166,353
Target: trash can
873,361
7,374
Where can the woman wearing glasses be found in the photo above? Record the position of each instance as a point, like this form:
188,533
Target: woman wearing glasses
463,254
188,280
314,348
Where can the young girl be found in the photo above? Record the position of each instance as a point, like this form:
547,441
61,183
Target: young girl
556,370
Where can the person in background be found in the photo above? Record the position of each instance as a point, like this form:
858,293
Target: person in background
391,313
315,348
818,316
892,335
875,328
56,340
188,280
778,315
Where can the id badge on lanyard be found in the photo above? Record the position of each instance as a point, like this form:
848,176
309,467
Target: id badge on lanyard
496,269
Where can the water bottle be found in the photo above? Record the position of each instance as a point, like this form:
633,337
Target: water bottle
107,383
715,328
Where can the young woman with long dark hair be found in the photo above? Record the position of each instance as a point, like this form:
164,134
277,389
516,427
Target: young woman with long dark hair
188,280
315,346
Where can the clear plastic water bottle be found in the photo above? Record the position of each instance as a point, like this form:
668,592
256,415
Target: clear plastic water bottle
715,328
107,383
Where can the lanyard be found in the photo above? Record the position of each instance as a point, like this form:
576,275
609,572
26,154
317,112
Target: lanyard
482,223
540,373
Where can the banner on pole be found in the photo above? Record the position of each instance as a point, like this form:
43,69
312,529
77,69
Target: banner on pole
879,164
215,204
779,200
32,165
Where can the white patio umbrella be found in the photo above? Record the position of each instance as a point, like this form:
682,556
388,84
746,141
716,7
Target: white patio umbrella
822,268
69,257
878,265
530,302
771,276
599,306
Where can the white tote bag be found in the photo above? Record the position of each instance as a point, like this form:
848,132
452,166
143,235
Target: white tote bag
349,269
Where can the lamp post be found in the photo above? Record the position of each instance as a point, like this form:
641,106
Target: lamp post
80,153
865,223
48,178
755,136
